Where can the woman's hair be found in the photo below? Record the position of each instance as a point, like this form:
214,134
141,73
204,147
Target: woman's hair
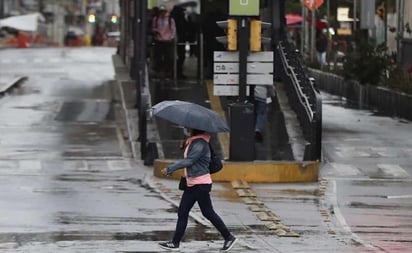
197,131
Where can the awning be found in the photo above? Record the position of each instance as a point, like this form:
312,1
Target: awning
28,22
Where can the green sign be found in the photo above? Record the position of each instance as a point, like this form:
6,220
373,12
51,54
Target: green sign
244,7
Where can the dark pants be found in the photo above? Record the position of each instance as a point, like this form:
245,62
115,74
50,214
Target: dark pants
181,56
199,193
163,56
260,108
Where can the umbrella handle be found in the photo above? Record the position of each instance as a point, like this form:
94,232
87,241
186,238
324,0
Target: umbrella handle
150,110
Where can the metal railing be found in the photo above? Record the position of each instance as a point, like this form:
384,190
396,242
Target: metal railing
304,98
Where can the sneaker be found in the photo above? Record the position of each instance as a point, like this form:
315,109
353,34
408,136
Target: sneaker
258,136
228,244
169,246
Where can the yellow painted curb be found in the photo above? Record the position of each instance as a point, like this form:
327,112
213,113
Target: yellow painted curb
256,171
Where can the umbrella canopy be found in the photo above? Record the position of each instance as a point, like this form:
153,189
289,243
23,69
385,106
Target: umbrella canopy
26,23
190,115
293,19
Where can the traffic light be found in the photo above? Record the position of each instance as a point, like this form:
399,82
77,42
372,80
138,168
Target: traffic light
114,19
232,34
230,26
255,35
91,18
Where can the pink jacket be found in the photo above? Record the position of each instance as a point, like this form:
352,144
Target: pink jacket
203,179
164,28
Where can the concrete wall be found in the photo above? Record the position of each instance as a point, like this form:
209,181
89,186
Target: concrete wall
393,103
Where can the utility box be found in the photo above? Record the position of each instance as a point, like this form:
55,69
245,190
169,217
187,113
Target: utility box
242,126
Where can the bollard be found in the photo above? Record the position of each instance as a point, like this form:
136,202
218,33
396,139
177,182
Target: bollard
151,154
143,125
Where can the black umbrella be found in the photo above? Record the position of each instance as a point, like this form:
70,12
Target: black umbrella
187,4
190,115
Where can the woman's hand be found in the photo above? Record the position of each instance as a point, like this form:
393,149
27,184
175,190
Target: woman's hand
164,172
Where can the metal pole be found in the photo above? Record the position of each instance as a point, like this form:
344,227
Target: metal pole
137,47
175,45
143,41
276,24
303,32
141,11
328,11
243,38
354,14
313,32
200,65
385,23
137,70
399,29
241,113
41,6
1,9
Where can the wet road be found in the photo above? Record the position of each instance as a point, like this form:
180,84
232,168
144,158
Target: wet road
67,184
368,169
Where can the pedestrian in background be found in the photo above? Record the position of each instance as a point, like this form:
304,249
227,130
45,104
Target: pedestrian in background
321,47
154,12
199,184
182,30
262,97
98,36
164,33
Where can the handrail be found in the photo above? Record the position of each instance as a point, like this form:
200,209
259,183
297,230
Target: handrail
304,98
291,73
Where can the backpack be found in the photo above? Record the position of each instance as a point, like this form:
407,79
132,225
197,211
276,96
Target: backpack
215,162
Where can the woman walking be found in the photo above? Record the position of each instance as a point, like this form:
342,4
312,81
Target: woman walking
199,184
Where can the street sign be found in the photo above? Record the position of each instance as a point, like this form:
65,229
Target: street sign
226,71
313,4
244,7
252,67
225,56
252,79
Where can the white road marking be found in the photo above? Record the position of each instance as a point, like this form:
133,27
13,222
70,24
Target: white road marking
346,169
119,165
392,170
85,166
399,196
7,164
341,220
30,165
54,60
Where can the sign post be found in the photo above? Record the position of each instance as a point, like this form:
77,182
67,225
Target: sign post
241,114
239,67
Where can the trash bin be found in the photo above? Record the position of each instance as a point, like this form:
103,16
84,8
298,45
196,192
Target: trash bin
242,125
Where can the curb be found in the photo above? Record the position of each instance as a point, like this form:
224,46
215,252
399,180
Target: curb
4,88
255,172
